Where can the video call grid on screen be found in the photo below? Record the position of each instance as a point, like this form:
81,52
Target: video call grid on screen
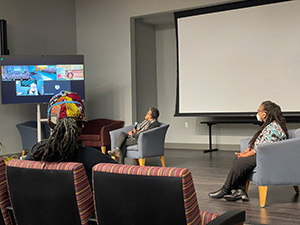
36,79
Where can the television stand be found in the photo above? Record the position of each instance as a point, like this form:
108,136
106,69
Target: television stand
39,120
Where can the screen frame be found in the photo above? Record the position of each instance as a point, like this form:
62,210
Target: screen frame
40,60
208,10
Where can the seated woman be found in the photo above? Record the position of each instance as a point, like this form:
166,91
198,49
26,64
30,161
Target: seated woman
273,129
66,119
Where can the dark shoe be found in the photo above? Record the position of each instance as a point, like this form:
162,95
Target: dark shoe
238,194
219,193
116,152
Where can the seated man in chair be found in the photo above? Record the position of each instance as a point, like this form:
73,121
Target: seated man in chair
131,138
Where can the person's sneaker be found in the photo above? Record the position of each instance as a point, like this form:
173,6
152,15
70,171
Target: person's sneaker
219,193
238,194
116,152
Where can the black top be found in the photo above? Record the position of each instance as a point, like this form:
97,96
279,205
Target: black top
88,156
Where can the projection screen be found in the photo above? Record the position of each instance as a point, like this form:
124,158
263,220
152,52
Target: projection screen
234,56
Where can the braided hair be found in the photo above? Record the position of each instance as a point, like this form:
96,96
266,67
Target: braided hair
274,113
63,144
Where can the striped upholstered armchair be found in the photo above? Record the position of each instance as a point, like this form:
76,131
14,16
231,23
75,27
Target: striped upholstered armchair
49,193
5,217
150,195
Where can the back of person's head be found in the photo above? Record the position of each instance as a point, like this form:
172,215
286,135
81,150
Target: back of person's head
65,118
273,112
65,105
154,112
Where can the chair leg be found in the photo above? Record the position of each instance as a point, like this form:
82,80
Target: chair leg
136,161
247,185
296,188
142,162
163,162
103,149
262,191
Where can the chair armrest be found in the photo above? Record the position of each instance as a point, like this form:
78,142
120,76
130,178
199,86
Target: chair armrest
105,137
114,134
278,162
21,127
151,142
10,211
92,221
244,144
229,218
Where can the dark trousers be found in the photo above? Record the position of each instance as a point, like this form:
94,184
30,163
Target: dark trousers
240,170
124,140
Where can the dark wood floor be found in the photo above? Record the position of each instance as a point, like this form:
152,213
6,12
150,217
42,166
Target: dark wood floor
209,171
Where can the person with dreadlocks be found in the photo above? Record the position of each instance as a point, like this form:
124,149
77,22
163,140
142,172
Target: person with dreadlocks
66,119
273,129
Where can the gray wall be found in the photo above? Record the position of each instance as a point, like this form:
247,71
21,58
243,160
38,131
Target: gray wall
104,36
145,62
34,27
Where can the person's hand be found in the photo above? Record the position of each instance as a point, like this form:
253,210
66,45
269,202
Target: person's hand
130,132
134,131
238,154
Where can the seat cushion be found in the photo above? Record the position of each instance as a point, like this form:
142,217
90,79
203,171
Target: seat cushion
90,137
132,148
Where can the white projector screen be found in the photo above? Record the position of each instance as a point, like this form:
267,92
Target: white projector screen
234,56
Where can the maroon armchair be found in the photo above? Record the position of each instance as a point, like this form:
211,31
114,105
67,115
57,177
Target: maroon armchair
96,132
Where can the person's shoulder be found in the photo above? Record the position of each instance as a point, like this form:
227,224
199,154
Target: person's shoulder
154,124
37,146
88,149
276,129
274,124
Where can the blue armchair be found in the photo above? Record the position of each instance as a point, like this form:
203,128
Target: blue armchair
28,132
150,143
277,163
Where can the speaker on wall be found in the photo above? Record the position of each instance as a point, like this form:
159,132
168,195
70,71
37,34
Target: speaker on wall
3,38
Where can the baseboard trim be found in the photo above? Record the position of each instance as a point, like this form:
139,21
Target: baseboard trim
201,147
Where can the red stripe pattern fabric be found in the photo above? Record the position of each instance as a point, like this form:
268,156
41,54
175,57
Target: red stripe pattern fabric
207,217
4,198
192,212
83,190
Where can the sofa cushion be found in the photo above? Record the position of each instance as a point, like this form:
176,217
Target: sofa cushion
132,148
90,137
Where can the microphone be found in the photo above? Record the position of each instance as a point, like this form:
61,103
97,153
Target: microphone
135,125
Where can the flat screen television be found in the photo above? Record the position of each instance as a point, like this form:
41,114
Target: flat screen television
35,79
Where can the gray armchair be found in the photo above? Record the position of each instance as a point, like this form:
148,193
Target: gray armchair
277,163
150,143
28,133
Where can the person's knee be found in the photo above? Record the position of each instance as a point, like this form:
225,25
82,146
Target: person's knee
238,164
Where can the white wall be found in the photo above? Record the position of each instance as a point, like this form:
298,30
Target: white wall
103,36
34,27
